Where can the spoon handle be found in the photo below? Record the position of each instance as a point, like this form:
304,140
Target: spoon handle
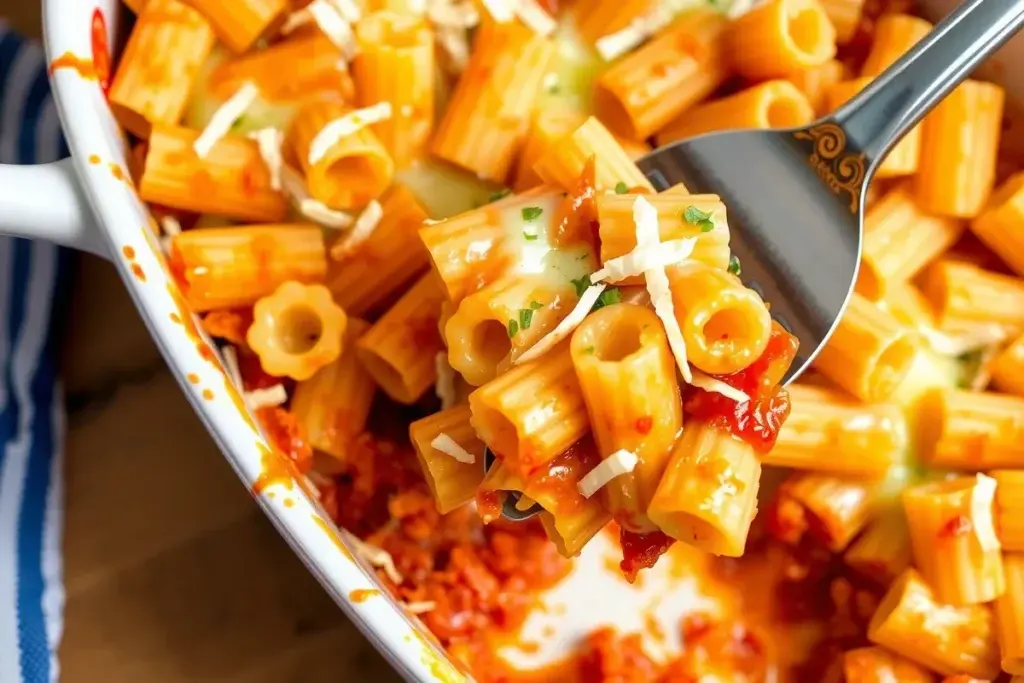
881,113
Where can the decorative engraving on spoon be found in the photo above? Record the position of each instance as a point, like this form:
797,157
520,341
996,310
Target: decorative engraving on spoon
842,171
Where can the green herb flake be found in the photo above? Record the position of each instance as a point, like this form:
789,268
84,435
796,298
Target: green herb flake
500,194
513,328
530,237
702,219
237,124
536,305
589,350
734,265
608,297
525,318
532,213
581,284
621,188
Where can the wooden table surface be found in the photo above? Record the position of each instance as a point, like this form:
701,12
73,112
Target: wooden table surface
172,573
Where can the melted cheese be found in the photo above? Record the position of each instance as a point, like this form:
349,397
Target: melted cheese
334,26
344,126
535,17
958,345
717,386
618,463
323,215
225,117
367,222
565,327
648,235
447,445
645,258
269,141
983,497
529,246
445,385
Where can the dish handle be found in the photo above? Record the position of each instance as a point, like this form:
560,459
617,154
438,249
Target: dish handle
46,202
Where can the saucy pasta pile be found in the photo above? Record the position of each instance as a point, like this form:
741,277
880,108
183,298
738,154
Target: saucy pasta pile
417,231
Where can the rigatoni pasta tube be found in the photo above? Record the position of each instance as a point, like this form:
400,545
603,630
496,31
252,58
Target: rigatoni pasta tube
230,181
354,170
399,350
774,104
913,623
899,240
845,16
391,257
952,534
395,64
618,231
725,325
684,64
1010,615
488,116
229,267
533,412
452,482
816,81
495,325
837,507
565,161
904,156
778,37
1010,508
972,431
627,374
894,35
883,551
963,293
869,352
959,143
1001,225
909,306
472,249
290,71
708,494
548,126
827,431
238,24
599,19
332,405
160,65
878,665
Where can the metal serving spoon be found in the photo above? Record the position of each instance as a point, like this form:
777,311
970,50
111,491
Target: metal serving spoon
796,197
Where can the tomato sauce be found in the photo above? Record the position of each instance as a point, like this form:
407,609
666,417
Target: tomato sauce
756,421
641,551
577,218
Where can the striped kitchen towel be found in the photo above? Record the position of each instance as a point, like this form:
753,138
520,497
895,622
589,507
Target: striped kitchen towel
31,405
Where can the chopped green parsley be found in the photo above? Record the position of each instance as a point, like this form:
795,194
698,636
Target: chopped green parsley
702,219
531,213
734,265
621,188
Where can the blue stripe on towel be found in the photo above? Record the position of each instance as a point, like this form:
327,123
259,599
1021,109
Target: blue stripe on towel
31,417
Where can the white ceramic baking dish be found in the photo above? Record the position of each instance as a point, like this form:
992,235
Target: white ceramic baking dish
79,202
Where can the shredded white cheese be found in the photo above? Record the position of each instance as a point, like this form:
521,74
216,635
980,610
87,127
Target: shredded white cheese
717,386
421,607
170,226
503,11
640,259
348,10
225,117
229,357
614,45
618,463
269,141
367,222
565,327
535,17
310,486
447,14
648,236
445,386
377,557
334,25
449,446
958,345
456,46
344,126
983,497
320,213
271,397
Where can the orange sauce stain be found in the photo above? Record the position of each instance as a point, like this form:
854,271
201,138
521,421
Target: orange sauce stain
193,378
100,50
289,502
94,159
83,66
361,595
138,272
119,174
129,253
175,318
274,469
239,402
207,395
332,534
184,318
440,668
